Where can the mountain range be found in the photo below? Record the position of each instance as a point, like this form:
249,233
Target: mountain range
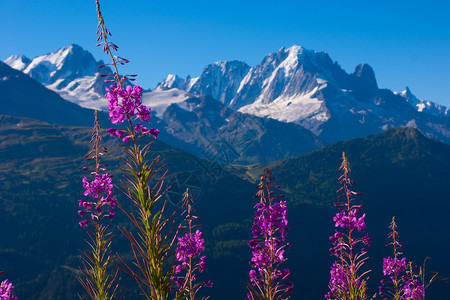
305,87
295,90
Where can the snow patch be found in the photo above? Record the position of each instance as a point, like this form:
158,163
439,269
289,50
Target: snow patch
412,124
191,83
320,80
17,62
420,106
289,109
158,100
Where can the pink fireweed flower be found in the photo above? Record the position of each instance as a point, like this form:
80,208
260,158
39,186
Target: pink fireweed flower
6,289
126,103
189,248
344,278
101,189
83,223
115,132
268,244
413,289
394,265
406,286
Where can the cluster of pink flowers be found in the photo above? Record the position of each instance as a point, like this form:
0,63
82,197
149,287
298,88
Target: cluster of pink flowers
124,103
101,189
189,248
344,277
270,221
413,289
406,286
6,289
394,265
350,220
269,241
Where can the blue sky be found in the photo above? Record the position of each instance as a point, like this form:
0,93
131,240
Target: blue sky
406,42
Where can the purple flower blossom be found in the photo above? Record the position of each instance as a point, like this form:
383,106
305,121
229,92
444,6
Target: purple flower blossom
413,289
268,244
126,103
6,289
101,188
152,131
178,280
85,204
84,223
138,127
366,240
189,248
112,212
100,184
344,278
338,278
399,286
337,235
115,132
394,265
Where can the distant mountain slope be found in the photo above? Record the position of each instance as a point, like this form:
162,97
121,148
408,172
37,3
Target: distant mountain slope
306,87
388,150
23,96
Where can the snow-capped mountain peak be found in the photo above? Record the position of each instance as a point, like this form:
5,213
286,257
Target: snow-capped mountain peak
70,71
18,62
173,81
67,63
220,80
425,106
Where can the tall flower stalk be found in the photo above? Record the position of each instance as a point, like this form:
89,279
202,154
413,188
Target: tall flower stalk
189,247
267,280
97,281
347,280
403,283
152,248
